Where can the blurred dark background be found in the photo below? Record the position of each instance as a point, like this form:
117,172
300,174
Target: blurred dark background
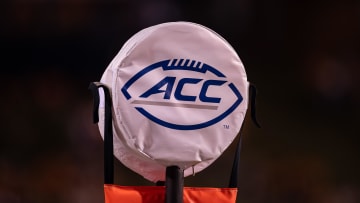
303,57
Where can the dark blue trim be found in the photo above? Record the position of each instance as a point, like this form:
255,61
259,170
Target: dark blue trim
188,66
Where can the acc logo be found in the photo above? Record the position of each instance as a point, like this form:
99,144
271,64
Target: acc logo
198,92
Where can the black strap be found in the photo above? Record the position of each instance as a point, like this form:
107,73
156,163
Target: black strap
233,183
108,133
253,93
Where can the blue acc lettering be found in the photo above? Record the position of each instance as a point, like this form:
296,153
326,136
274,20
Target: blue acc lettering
174,88
169,83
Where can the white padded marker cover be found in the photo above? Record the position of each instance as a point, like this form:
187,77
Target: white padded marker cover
180,95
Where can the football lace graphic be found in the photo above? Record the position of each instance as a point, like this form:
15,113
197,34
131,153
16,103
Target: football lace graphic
198,94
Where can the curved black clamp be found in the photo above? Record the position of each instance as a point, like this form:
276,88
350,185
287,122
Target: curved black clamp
108,132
